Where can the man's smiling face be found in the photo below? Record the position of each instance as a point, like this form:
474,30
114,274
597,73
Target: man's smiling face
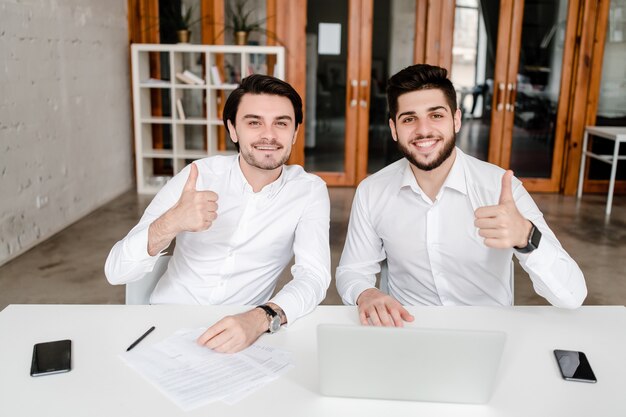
265,130
425,128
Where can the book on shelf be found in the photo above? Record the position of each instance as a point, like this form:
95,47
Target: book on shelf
184,79
179,108
156,82
193,77
216,78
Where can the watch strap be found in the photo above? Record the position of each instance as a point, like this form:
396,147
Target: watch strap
533,240
269,310
272,315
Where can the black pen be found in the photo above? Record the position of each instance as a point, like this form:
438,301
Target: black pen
136,342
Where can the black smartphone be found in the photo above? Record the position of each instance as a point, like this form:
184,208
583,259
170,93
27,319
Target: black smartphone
51,358
574,366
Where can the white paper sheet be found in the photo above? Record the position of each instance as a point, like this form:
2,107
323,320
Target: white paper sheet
192,375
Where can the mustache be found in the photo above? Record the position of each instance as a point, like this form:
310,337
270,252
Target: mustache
264,142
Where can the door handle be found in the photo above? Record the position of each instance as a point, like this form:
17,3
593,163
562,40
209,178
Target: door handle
499,98
363,101
512,95
355,92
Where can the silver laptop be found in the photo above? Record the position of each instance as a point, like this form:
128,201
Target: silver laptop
458,366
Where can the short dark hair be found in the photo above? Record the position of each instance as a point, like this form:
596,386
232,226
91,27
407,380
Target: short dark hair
261,84
419,77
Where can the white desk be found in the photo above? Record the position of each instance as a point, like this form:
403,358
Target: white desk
100,384
616,134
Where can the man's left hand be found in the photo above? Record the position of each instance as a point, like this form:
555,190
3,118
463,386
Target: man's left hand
235,333
503,226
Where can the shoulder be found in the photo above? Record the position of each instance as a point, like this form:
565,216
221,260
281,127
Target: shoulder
485,178
385,181
386,176
296,176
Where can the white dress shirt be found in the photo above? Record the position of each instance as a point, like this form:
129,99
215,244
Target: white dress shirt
434,253
239,258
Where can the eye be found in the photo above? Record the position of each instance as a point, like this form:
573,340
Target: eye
408,119
254,123
281,124
437,116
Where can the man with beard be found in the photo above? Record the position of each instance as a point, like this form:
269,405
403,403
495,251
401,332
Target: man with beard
446,223
234,253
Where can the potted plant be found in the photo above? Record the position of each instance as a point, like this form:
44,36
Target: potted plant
178,20
241,22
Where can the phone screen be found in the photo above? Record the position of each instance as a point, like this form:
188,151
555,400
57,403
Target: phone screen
51,358
574,366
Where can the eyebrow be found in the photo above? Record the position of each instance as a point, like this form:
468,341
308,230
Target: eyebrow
257,117
430,109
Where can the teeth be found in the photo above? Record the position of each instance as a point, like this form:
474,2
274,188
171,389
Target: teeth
425,144
267,148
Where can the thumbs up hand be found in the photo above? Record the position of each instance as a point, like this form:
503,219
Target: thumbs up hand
503,226
195,210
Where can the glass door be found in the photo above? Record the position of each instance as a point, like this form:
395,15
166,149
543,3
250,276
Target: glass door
508,68
353,46
332,89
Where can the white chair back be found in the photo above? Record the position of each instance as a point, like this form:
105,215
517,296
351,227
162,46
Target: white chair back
138,292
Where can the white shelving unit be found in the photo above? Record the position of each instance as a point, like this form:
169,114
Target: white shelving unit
195,135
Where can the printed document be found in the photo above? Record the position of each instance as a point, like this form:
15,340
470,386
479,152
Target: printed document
193,375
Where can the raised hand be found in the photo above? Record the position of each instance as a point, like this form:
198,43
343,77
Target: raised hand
195,210
503,226
379,309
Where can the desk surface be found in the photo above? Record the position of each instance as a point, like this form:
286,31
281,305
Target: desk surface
100,384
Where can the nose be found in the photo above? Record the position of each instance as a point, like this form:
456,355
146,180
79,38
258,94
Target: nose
269,132
422,127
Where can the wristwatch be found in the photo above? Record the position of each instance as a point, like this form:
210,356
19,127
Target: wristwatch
533,240
272,317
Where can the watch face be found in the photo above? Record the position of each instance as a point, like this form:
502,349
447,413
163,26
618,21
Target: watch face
274,324
535,238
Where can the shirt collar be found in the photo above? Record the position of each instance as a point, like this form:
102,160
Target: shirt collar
240,183
455,179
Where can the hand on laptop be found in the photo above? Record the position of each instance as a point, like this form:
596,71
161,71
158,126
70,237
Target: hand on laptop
235,333
379,309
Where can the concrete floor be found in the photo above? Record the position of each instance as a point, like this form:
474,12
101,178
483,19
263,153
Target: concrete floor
68,267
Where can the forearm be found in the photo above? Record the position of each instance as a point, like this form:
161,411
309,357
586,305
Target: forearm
555,275
161,233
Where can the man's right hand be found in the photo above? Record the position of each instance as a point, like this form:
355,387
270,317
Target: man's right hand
379,309
194,211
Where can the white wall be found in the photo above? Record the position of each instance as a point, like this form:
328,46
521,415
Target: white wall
65,124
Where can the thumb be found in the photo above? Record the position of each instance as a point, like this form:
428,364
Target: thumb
190,185
506,193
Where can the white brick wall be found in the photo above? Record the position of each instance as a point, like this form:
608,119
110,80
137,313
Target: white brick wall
65,118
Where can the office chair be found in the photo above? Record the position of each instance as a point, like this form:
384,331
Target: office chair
384,277
138,292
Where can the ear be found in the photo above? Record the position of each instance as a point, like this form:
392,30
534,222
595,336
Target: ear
295,135
457,120
232,132
392,127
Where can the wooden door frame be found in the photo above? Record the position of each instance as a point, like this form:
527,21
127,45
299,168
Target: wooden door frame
364,79
585,90
578,46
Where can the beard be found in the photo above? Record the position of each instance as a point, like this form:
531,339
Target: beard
265,162
440,159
